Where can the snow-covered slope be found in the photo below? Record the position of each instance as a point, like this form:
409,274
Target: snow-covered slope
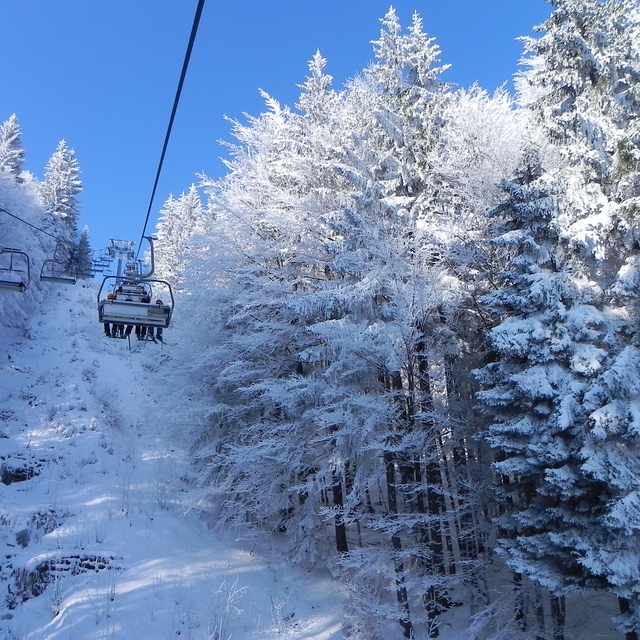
95,531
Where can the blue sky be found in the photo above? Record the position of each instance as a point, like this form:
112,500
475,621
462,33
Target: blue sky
102,75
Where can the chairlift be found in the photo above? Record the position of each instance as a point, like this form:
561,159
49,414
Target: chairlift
55,270
100,258
135,301
99,265
135,298
15,272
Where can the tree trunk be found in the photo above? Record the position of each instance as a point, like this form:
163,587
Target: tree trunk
436,599
396,545
558,616
542,632
519,612
341,530
625,605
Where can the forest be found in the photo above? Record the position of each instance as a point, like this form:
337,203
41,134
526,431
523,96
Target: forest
407,326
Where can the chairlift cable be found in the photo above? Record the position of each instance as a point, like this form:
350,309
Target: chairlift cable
185,65
33,226
53,269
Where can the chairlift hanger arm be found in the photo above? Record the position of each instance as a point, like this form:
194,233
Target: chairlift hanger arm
153,266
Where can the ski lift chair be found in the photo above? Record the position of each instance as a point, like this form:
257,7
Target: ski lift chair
100,258
132,302
14,277
55,270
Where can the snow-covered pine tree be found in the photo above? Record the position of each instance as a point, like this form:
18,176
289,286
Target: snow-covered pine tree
582,89
549,347
261,231
434,169
179,220
58,192
80,257
11,150
20,198
299,187
317,99
393,109
584,80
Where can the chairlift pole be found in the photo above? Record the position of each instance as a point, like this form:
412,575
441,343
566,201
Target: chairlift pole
121,250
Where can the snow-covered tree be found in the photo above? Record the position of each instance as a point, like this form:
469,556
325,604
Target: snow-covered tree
548,349
59,190
21,215
11,150
555,393
179,221
80,256
335,317
332,324
583,81
317,100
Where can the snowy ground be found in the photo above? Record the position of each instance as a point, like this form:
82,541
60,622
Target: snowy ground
97,539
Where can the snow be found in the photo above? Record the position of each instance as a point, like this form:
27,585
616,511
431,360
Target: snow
105,521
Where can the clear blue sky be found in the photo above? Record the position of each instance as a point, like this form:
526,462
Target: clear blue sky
102,74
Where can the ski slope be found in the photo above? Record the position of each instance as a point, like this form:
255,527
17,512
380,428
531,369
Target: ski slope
96,532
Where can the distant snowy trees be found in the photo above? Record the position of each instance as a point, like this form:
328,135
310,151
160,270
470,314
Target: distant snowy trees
58,191
19,196
80,261
38,219
412,335
60,187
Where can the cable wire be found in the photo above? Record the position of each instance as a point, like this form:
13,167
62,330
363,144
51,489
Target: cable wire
33,226
185,65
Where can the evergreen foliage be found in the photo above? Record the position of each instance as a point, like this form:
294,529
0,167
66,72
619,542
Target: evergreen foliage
564,437
179,221
550,346
38,220
335,274
58,192
11,151
21,198
80,257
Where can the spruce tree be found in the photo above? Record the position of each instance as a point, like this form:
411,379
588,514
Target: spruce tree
179,220
80,260
552,405
548,349
59,190
11,151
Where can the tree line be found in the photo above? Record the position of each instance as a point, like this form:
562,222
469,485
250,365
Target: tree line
412,349
39,217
